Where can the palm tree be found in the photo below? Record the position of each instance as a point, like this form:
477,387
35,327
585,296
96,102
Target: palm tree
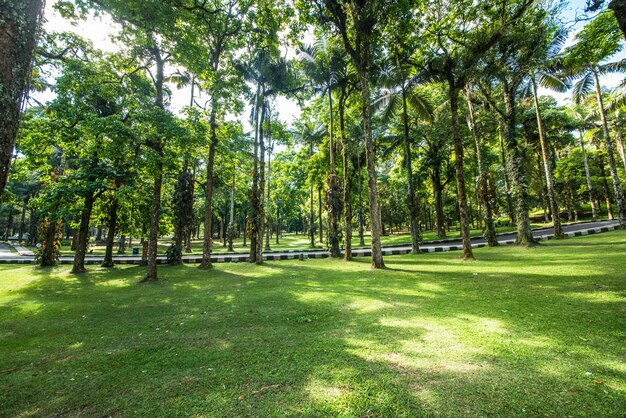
584,62
400,95
321,69
546,77
577,112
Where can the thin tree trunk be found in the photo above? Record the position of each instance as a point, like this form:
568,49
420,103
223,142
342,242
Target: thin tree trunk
347,205
507,187
83,234
411,201
605,185
617,188
319,214
482,176
151,274
261,197
460,175
207,244
23,218
438,196
554,205
594,208
370,156
108,254
619,139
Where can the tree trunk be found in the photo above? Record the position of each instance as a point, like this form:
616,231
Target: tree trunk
319,215
594,208
207,244
108,255
438,196
333,199
23,218
408,163
460,175
482,176
507,188
617,187
605,185
347,206
619,140
554,205
370,156
515,169
151,274
261,197
18,29
83,234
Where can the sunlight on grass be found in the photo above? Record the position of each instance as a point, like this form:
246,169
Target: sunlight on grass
515,333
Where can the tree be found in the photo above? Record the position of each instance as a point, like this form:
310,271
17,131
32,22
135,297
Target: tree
583,61
19,24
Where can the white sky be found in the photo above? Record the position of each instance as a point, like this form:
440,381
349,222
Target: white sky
99,31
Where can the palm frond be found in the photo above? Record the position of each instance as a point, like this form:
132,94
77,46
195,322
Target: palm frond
389,111
553,81
613,67
582,87
421,102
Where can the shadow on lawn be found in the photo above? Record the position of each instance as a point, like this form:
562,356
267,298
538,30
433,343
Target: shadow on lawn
308,338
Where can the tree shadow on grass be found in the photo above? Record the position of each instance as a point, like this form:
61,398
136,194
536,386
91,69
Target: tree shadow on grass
309,338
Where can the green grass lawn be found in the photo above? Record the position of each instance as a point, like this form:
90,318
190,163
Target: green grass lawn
538,332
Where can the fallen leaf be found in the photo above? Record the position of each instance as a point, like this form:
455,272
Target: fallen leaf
599,382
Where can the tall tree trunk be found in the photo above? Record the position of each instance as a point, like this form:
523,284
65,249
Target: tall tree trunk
19,23
594,208
83,234
482,175
617,187
408,163
507,187
268,227
554,204
319,214
347,205
153,248
23,218
438,196
333,199
207,244
151,274
261,197
370,156
460,175
253,194
108,254
619,140
605,185
515,168
231,223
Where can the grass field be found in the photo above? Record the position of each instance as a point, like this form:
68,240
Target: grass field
538,332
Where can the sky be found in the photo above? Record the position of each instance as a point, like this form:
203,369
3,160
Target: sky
99,31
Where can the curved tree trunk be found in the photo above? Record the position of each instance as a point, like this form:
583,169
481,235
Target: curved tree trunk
554,205
460,175
18,30
83,234
617,187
